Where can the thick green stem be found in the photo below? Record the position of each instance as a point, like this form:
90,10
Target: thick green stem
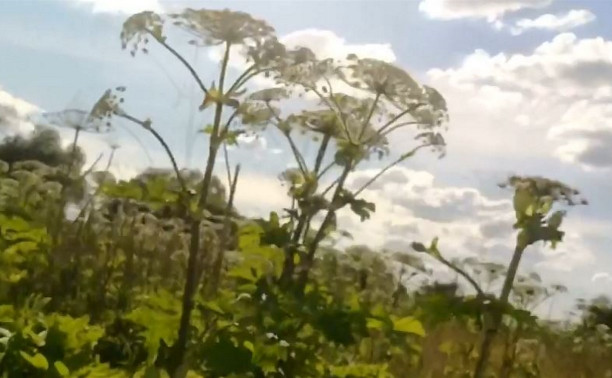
304,219
191,281
225,234
491,331
312,249
321,153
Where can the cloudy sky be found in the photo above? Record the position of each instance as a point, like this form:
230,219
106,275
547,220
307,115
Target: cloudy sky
528,83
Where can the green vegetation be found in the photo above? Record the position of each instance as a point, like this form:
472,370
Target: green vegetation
160,276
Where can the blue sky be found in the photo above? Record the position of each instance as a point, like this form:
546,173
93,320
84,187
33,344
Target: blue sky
528,82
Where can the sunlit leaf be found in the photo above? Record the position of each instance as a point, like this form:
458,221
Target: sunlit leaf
38,360
409,324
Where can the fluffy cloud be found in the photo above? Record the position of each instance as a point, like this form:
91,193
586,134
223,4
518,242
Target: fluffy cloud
605,276
323,43
19,116
558,93
258,194
487,9
562,22
14,113
570,255
327,44
122,6
412,206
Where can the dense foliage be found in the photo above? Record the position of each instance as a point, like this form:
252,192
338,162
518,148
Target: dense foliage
160,275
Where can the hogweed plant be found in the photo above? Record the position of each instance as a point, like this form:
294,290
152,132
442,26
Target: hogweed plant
350,129
358,126
208,28
538,219
159,274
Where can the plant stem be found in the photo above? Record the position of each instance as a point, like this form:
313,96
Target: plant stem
369,117
147,125
491,332
218,263
321,153
391,165
312,249
178,56
194,245
462,273
304,219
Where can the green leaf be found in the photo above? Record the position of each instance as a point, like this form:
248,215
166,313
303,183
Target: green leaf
409,325
224,358
556,219
374,323
212,96
61,368
38,360
249,345
214,306
522,201
208,129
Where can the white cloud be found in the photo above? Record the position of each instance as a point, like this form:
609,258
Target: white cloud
19,116
327,44
558,94
412,206
491,10
570,255
407,198
258,194
122,6
587,129
14,113
602,276
323,43
252,142
560,22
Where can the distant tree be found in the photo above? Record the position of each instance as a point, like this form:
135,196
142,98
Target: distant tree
43,145
596,312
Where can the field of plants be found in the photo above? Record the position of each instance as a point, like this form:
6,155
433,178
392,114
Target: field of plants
162,276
